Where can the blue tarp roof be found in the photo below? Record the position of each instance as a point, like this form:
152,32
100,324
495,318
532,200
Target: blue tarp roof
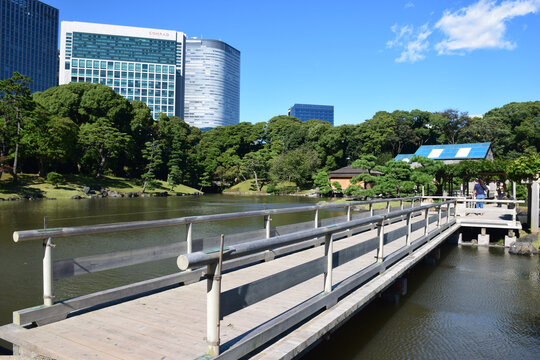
403,157
454,151
450,152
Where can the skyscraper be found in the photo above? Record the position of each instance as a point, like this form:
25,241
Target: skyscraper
197,80
307,112
138,63
212,94
29,42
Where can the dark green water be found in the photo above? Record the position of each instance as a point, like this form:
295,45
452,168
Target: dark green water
474,304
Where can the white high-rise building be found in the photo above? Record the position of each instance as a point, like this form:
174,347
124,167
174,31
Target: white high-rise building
212,95
152,65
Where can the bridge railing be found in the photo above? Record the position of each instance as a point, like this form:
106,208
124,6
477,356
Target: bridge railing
58,269
222,304
467,206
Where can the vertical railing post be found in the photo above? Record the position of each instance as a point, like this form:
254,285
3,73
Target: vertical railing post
213,292
328,252
48,246
267,224
189,238
349,218
401,204
370,209
440,216
316,218
447,213
380,233
426,222
409,228
455,208
514,213
388,207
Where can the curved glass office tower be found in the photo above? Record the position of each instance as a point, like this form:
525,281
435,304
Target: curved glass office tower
212,84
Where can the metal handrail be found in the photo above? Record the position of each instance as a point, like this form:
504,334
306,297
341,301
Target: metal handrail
211,258
201,258
40,234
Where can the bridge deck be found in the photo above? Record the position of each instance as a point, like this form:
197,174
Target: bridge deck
172,324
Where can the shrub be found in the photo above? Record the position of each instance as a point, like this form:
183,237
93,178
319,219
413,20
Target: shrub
55,179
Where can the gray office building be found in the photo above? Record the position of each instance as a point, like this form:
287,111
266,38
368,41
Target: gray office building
307,112
29,42
212,84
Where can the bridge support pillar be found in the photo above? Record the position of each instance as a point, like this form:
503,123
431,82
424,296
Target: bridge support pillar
483,237
510,238
433,256
395,291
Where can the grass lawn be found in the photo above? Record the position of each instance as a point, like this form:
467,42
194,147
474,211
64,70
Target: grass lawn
249,186
35,186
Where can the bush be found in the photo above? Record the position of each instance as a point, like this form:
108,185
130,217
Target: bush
55,179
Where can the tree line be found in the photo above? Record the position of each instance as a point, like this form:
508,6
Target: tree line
88,129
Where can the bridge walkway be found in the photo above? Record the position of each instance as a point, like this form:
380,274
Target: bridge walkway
172,324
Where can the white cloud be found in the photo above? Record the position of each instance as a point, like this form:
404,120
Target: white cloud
409,5
413,42
481,25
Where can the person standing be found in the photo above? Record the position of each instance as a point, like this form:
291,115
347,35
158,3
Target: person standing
479,192
501,193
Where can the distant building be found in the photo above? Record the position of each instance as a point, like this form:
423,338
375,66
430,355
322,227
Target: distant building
138,63
307,112
452,153
29,42
197,80
212,91
344,175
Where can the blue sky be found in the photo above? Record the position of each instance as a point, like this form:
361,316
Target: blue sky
360,56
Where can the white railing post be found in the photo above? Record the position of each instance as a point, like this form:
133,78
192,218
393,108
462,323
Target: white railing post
426,222
401,204
370,209
47,272
267,224
447,213
316,218
440,216
455,209
213,292
328,252
380,233
48,246
349,218
189,238
388,207
409,228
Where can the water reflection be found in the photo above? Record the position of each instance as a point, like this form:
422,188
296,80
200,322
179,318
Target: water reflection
477,303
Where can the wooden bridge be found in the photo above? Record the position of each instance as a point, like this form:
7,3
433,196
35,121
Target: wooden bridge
271,293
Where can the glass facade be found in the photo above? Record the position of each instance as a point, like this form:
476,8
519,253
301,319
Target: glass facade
212,84
29,42
148,69
307,112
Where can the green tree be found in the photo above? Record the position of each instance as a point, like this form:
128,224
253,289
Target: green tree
255,163
50,139
524,167
322,182
296,165
16,104
152,155
55,179
102,142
